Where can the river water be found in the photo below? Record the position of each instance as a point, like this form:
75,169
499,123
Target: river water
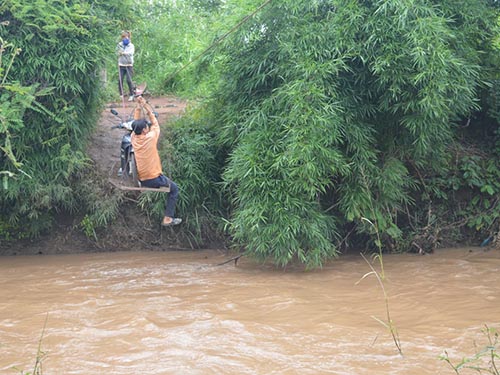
177,313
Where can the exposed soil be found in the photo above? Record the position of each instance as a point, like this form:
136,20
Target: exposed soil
134,229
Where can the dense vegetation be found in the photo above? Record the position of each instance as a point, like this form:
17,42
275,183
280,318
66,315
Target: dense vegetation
52,55
324,124
176,42
369,123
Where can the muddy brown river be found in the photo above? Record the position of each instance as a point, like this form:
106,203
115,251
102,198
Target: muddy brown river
176,313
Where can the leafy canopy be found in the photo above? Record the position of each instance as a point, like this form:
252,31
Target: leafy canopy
51,108
325,107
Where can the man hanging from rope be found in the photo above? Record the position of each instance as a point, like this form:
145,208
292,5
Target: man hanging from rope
145,140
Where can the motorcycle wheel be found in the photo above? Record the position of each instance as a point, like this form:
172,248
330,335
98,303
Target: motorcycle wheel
126,172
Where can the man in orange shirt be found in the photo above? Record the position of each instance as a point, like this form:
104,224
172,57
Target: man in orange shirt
145,140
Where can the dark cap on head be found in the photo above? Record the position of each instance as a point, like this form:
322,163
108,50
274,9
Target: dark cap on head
139,125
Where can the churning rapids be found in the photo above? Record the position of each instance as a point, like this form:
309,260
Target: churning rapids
178,313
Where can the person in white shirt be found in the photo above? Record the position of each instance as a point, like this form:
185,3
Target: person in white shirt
125,51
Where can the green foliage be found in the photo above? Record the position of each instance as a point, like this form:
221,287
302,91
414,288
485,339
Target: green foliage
484,361
482,177
174,42
40,354
326,108
323,116
52,107
189,155
463,194
162,50
88,227
277,174
15,99
381,279
95,198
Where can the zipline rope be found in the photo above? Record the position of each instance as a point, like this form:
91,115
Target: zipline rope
218,41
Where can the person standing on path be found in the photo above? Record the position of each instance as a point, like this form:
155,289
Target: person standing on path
125,51
144,140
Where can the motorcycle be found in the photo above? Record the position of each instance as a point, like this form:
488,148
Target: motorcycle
128,167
